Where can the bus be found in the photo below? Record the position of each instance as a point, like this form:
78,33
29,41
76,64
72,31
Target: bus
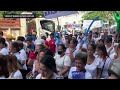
41,26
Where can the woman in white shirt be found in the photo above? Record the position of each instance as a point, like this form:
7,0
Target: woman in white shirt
36,63
14,49
78,71
63,61
105,61
93,65
47,68
3,47
3,67
13,67
72,50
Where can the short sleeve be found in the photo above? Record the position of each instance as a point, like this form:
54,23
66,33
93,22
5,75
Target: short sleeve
38,76
70,74
23,55
99,63
67,61
88,75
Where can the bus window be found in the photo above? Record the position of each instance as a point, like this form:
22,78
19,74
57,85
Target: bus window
48,25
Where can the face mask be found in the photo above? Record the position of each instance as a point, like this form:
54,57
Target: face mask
60,52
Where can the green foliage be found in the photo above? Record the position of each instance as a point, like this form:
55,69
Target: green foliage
103,15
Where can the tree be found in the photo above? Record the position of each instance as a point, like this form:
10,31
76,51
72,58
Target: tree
103,15
38,13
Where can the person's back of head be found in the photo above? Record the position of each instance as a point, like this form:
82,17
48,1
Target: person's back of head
49,62
3,41
13,64
1,33
3,66
21,38
21,45
114,68
47,51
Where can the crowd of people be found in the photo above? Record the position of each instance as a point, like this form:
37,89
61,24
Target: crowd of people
33,57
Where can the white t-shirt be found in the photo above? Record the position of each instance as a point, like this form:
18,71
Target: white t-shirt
84,46
8,45
2,77
4,51
92,68
61,62
55,76
105,74
23,56
112,51
73,74
19,58
75,51
16,75
112,55
63,41
78,46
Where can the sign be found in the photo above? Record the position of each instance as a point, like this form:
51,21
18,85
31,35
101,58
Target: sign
96,24
55,14
73,25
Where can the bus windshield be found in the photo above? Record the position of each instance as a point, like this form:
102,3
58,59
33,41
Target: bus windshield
48,25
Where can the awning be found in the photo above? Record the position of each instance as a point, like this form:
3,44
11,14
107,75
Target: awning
55,14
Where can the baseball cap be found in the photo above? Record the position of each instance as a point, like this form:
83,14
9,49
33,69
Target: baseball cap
9,36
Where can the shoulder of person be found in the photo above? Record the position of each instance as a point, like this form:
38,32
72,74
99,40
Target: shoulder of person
57,76
73,69
88,75
38,76
17,73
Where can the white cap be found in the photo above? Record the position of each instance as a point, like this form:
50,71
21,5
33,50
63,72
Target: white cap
39,41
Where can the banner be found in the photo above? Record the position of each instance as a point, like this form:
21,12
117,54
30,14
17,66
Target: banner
55,14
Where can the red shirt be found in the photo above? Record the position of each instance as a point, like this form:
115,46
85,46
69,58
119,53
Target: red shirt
47,43
52,46
32,55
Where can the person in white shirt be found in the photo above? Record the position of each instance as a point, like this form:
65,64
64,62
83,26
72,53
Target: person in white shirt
78,71
72,50
21,38
105,61
14,49
63,61
3,46
47,69
65,41
113,56
93,65
36,63
109,46
13,67
3,67
23,55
